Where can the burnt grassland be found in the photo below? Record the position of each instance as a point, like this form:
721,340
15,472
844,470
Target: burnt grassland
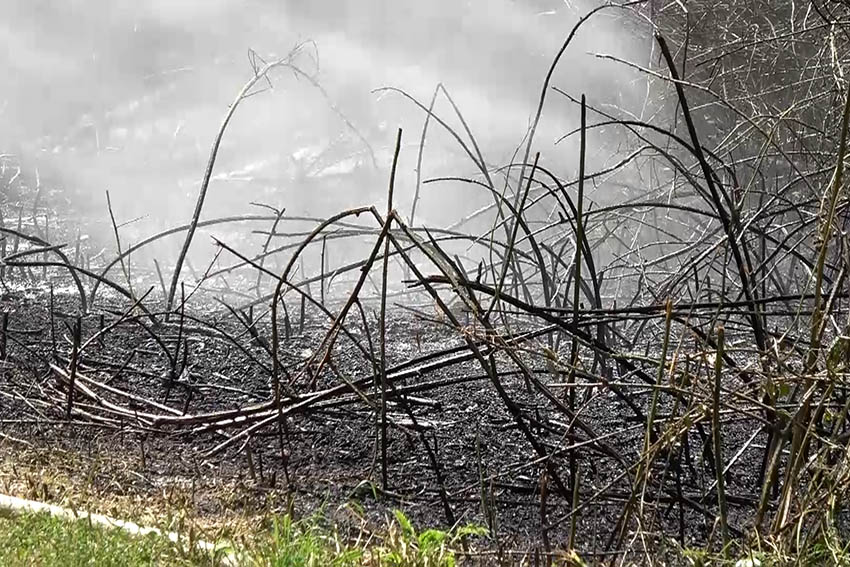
626,361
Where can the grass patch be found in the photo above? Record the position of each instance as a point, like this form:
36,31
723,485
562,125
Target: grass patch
39,539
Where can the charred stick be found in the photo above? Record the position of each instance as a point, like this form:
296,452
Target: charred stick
383,319
72,373
4,333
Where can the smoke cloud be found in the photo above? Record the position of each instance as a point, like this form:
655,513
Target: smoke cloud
126,96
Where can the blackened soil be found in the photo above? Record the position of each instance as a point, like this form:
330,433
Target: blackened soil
480,466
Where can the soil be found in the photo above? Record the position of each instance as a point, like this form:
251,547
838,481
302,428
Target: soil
330,456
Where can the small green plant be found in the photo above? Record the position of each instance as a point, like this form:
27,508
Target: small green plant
312,542
303,543
404,547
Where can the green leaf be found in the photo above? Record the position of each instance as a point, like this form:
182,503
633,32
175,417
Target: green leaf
432,538
469,530
406,526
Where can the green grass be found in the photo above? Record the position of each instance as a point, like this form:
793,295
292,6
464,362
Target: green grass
44,541
41,540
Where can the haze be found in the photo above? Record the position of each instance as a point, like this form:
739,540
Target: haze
126,96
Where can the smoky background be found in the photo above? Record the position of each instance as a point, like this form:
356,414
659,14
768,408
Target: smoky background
127,97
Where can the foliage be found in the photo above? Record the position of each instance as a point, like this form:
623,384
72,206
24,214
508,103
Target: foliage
310,542
47,541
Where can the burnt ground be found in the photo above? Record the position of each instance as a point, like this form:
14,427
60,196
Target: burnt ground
330,450
461,447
